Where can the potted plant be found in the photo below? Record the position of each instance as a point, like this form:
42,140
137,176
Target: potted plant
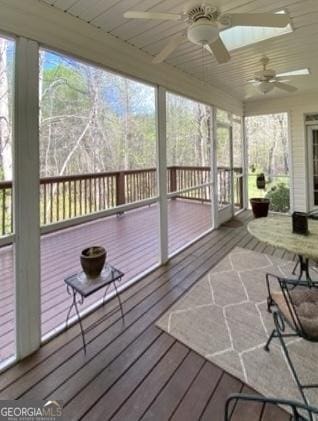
93,260
260,205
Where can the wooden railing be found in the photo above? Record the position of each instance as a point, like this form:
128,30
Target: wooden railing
6,209
66,197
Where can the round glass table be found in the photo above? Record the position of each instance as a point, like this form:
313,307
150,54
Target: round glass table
277,231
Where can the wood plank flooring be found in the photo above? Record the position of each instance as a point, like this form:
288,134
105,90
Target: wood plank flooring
134,371
132,243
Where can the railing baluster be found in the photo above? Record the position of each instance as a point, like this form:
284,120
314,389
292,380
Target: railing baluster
100,197
3,211
63,200
75,197
90,195
95,194
80,198
85,198
51,202
57,202
11,209
69,200
44,202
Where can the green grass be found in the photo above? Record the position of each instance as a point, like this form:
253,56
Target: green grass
253,191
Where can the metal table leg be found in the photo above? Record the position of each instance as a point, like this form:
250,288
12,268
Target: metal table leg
71,291
304,270
120,303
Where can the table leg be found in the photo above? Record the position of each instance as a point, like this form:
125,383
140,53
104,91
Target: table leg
304,269
71,291
104,296
295,267
120,304
79,319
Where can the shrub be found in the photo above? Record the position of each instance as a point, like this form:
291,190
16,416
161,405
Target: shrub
279,198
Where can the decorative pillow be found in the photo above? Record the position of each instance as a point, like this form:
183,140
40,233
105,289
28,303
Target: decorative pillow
305,303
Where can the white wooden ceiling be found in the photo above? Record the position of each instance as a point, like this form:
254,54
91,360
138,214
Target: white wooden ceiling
288,52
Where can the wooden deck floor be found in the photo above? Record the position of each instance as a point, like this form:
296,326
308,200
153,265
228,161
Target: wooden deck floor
135,371
132,242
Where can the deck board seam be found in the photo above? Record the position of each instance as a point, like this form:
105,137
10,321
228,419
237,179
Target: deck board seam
136,386
119,319
142,287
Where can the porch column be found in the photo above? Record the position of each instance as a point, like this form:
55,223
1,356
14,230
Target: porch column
26,198
214,169
162,172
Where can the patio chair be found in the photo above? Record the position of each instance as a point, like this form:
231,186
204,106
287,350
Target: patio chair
299,411
297,307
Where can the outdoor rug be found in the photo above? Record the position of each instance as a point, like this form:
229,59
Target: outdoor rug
224,318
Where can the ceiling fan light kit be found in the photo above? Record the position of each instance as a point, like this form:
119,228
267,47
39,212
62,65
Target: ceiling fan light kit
203,32
265,87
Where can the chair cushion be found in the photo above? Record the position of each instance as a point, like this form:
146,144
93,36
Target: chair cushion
305,303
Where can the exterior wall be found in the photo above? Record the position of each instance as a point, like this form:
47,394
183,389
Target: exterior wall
60,31
296,106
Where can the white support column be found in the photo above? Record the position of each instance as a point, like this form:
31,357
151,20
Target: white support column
162,172
245,166
26,198
215,197
291,167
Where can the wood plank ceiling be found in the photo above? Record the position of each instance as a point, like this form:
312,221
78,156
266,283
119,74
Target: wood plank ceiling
288,52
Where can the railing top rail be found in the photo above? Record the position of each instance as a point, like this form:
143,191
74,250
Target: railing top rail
5,185
75,177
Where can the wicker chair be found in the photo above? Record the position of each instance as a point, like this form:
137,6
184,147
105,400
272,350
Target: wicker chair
300,411
297,307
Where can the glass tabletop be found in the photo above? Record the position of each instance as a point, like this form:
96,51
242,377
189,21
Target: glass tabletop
86,286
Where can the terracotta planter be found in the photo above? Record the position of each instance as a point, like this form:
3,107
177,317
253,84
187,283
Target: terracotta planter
260,207
93,260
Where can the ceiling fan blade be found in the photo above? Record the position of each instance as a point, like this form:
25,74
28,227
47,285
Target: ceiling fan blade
284,87
169,48
274,20
281,79
218,49
151,15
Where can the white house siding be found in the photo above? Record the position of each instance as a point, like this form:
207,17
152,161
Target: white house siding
296,106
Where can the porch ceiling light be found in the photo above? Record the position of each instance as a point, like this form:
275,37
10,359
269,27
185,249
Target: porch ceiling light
265,87
203,32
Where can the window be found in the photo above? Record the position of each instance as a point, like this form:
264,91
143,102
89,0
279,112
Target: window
189,170
268,153
98,152
7,293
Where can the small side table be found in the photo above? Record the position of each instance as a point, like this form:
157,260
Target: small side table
81,285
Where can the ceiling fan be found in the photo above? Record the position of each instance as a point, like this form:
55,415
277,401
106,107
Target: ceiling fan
204,23
267,79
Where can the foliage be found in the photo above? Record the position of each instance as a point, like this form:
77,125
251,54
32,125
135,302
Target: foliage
267,141
279,198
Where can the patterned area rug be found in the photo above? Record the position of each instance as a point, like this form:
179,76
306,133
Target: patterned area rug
224,318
